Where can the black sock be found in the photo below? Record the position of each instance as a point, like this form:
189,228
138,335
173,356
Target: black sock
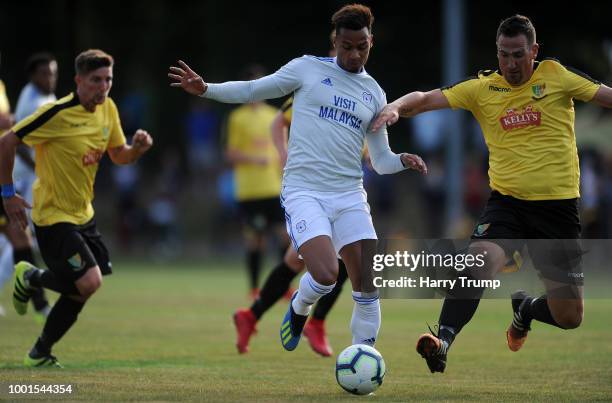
24,254
537,308
48,279
275,287
39,300
254,265
455,314
61,318
460,303
325,304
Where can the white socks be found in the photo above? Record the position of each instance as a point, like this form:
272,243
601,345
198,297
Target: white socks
365,322
309,292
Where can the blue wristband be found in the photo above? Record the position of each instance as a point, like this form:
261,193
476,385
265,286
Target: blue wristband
8,190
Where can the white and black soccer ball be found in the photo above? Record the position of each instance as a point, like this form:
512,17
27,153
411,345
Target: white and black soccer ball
360,369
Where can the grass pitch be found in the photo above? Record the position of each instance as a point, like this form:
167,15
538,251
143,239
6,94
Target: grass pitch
164,333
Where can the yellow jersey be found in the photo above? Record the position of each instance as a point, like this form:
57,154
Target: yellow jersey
287,109
5,107
529,129
249,132
69,143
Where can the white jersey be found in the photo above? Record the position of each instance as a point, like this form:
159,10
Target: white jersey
30,99
332,111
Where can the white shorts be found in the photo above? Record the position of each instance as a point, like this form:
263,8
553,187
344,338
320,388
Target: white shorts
342,216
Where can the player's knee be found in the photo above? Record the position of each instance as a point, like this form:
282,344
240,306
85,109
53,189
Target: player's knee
292,260
570,322
295,265
571,319
327,277
492,255
90,288
96,283
89,285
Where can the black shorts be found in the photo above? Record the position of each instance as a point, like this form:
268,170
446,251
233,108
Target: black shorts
69,249
259,215
549,228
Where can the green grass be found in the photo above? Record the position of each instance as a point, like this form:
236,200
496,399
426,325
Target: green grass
165,334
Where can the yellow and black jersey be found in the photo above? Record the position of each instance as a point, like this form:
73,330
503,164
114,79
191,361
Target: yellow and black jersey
249,132
287,109
69,143
5,107
529,129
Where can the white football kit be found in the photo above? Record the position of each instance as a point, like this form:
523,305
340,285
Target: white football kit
30,99
332,109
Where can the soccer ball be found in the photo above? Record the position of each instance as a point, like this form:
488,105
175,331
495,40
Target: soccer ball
360,369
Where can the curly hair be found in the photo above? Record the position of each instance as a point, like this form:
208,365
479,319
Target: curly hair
353,17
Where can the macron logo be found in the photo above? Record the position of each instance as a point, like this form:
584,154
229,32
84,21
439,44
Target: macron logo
327,81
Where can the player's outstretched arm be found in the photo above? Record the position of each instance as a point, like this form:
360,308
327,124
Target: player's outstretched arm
127,154
413,161
278,84
384,161
410,105
14,205
187,79
603,96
